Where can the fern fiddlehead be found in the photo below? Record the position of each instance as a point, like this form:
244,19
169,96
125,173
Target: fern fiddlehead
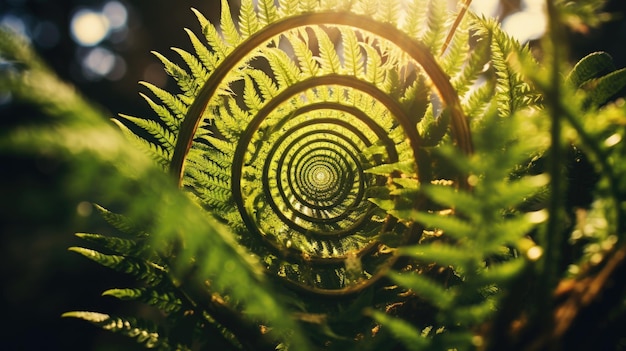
314,135
296,142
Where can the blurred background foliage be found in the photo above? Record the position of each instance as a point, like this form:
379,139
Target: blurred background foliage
103,48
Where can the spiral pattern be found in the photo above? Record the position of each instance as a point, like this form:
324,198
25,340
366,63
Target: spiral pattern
304,188
301,133
313,179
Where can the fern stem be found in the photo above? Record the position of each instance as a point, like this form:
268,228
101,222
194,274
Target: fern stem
553,235
457,21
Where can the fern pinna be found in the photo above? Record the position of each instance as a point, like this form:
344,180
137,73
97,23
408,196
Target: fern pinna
332,140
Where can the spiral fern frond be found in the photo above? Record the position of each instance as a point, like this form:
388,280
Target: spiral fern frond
315,134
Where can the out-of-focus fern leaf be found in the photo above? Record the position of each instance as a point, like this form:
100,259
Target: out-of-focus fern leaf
389,13
119,246
368,7
444,255
147,272
479,224
268,12
106,166
405,332
426,288
308,5
288,8
144,332
121,222
605,87
416,17
435,35
167,302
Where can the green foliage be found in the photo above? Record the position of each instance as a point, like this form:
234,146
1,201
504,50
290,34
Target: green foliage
331,194
144,332
485,229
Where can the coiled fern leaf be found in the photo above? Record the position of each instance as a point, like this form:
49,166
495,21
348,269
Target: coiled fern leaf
314,131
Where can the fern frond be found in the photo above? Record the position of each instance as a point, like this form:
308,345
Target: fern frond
435,34
268,12
426,288
248,19
229,30
448,197
389,13
144,332
212,36
250,96
442,254
286,72
511,90
156,152
479,100
368,7
473,66
589,67
265,83
288,8
166,138
171,121
605,87
121,222
198,71
416,16
208,58
352,56
167,302
118,246
452,226
186,82
502,272
232,120
375,72
177,106
223,146
392,84
329,60
454,58
308,5
308,65
402,330
148,272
